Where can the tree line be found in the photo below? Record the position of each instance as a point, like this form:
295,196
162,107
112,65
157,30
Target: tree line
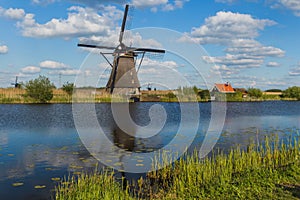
41,91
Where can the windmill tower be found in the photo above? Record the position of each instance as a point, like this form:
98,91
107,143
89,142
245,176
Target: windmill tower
123,79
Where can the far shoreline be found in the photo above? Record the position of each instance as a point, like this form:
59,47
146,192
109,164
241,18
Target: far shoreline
131,102
19,96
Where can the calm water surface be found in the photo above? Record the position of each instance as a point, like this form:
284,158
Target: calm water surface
39,143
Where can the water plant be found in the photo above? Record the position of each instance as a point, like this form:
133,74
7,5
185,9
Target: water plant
254,173
268,171
95,186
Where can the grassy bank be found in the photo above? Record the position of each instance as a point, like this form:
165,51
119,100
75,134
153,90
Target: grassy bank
269,171
16,95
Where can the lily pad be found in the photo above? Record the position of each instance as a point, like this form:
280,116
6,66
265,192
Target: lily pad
72,166
118,164
76,173
31,165
63,148
40,186
17,184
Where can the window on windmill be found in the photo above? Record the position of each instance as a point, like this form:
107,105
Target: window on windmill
131,73
132,81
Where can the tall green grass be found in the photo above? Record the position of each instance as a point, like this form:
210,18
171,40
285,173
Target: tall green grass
91,187
252,173
268,171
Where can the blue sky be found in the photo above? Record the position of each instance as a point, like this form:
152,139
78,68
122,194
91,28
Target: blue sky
249,43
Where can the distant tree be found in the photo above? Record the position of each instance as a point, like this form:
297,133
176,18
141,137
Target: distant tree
188,90
292,92
40,89
273,90
204,94
237,96
68,88
195,90
171,95
255,92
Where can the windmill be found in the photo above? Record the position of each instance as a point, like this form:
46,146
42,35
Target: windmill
149,87
123,79
16,84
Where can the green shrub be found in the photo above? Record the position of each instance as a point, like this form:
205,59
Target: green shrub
40,89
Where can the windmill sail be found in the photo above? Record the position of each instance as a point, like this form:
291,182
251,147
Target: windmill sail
123,24
123,79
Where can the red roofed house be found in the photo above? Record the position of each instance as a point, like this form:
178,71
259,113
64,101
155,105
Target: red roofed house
221,89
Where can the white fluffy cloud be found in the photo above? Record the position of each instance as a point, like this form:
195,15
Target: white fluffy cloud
3,49
223,70
293,5
225,1
53,65
65,72
234,1
227,26
150,63
253,48
130,39
238,33
154,68
97,3
165,73
147,3
246,81
295,71
43,2
176,5
12,13
31,70
155,5
273,64
80,22
238,61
